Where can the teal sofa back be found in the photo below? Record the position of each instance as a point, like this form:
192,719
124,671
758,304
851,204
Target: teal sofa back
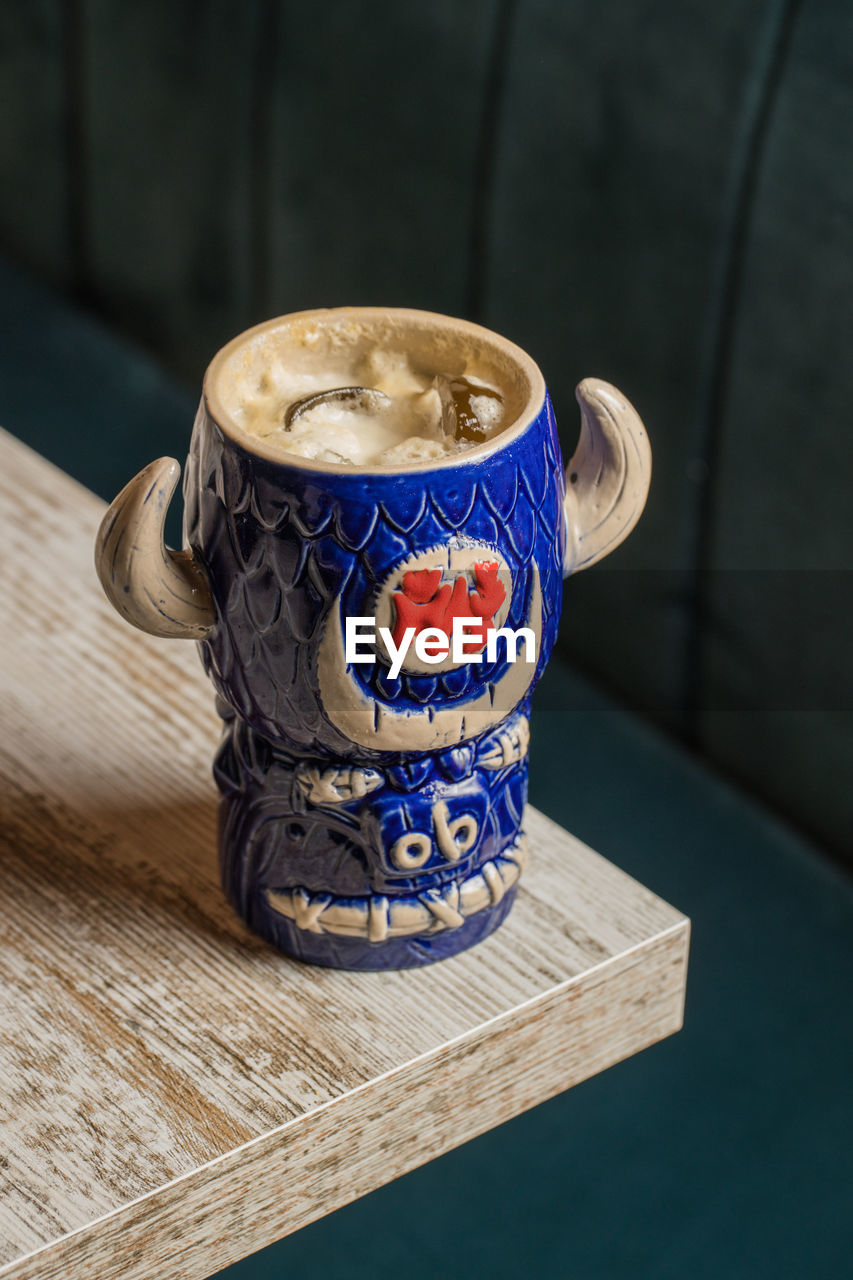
656,194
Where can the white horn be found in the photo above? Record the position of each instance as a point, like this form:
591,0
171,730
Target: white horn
158,590
608,477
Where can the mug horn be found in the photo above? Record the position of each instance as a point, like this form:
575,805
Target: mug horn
608,477
161,591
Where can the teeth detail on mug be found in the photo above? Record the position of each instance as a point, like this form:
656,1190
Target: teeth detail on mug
508,746
336,786
429,912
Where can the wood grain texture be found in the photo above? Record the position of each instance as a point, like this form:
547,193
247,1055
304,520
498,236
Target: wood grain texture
175,1093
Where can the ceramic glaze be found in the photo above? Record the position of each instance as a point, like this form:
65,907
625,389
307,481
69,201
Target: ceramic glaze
370,821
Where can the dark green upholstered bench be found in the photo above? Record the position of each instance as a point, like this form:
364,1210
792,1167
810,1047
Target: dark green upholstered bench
658,194
724,1152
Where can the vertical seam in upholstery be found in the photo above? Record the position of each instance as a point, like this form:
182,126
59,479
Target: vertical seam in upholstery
261,160
488,135
749,148
74,116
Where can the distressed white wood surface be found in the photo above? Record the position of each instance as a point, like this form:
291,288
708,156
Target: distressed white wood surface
175,1094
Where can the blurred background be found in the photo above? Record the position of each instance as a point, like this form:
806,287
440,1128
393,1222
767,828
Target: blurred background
655,192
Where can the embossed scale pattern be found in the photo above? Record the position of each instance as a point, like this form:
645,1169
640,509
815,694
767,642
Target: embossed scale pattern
297,541
384,859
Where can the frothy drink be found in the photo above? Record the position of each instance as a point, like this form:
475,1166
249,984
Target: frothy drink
326,389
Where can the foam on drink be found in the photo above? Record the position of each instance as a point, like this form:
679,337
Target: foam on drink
387,413
331,389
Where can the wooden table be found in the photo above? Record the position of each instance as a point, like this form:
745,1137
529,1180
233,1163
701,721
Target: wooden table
175,1093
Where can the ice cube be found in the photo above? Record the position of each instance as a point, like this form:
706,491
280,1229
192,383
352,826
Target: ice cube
469,410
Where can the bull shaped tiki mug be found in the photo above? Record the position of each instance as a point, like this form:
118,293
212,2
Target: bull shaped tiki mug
370,818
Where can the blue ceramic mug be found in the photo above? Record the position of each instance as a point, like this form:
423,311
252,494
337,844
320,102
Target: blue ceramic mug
370,819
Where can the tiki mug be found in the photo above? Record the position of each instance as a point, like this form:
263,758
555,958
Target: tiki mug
369,818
